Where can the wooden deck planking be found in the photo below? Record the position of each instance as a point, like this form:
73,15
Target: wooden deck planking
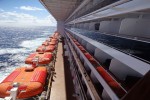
58,90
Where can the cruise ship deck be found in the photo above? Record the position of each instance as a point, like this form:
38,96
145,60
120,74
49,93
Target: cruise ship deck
103,50
107,45
58,88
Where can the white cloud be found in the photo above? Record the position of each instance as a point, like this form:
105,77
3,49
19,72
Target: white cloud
23,19
29,8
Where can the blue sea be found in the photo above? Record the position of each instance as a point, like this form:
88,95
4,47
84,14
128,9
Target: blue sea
16,43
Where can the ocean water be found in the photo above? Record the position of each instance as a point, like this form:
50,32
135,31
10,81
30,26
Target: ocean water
17,43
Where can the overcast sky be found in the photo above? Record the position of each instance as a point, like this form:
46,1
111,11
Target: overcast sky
24,13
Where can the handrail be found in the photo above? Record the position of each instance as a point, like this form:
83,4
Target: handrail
99,77
87,79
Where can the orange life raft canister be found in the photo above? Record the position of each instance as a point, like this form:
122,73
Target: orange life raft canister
30,83
43,58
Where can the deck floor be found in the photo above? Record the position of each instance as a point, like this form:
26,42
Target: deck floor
58,90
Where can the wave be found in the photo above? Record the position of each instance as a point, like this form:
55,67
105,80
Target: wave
32,44
12,50
46,33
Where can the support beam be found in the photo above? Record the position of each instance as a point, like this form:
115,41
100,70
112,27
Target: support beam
60,27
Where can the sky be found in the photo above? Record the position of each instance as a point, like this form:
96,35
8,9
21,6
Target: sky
24,13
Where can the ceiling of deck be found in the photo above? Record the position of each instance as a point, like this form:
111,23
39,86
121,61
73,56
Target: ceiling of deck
60,9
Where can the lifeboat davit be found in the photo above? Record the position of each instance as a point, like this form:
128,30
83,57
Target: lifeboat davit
30,83
49,48
41,57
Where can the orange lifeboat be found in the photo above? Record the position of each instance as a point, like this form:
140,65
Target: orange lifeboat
82,49
56,35
49,48
88,56
30,83
42,58
46,43
77,43
74,40
51,39
116,87
54,40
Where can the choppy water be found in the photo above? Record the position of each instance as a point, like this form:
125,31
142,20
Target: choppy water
17,43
